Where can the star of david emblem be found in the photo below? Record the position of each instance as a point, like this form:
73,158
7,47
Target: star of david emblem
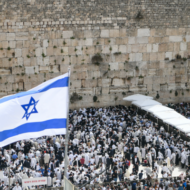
30,108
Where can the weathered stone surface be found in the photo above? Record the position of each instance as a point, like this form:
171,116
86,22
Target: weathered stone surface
143,32
137,55
22,36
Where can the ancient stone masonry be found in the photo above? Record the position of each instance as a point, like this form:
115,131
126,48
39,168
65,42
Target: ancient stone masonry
114,48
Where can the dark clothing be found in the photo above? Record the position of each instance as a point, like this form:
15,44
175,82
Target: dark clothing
140,175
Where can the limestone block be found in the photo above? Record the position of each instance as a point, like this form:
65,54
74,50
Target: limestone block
20,61
46,61
168,55
90,83
64,68
149,47
118,82
3,53
54,68
90,50
142,48
143,32
113,66
175,38
10,36
67,34
154,65
22,36
12,44
105,49
132,57
104,82
78,34
76,83
81,42
152,72
3,36
25,52
105,90
18,85
142,40
39,60
138,56
176,47
4,44
95,33
45,43
3,88
71,51
114,33
50,51
170,47
55,42
122,32
74,42
114,48
148,80
122,48
183,46
26,44
38,52
27,61
105,34
163,47
161,56
44,69
117,41
121,58
5,72
88,34
146,57
10,53
29,70
154,47
134,48
131,40
187,38
18,69
89,42
19,44
79,50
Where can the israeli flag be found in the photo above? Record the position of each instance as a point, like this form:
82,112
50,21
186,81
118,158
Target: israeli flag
38,112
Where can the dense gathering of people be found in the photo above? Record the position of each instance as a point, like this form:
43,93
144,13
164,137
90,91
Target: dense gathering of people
114,147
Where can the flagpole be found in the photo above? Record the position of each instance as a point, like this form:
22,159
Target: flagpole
66,135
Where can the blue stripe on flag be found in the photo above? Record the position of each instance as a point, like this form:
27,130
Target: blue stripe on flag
33,127
57,84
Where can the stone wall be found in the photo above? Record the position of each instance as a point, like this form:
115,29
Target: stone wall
40,39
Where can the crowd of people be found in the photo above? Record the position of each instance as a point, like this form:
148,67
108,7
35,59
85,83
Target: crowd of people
106,146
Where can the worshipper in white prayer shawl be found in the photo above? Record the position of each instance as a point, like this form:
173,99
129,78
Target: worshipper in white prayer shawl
183,158
173,158
46,158
168,152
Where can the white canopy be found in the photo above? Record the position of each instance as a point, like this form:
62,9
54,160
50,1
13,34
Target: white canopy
137,97
185,128
177,121
156,108
168,115
145,103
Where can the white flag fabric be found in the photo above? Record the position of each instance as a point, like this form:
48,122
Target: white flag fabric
38,112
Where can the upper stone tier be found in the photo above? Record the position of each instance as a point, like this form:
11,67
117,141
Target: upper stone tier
107,13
